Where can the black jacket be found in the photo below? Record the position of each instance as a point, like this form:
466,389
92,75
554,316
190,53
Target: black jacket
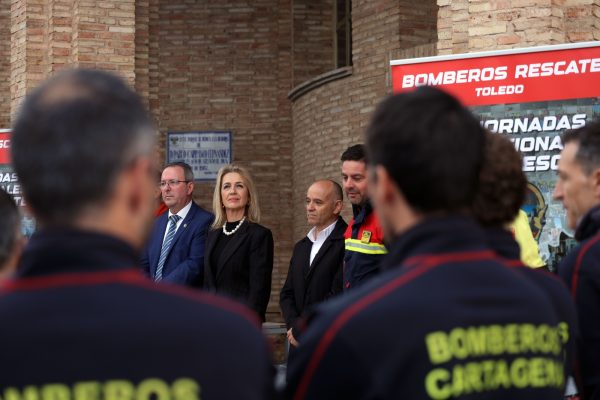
307,285
447,319
580,270
504,244
244,273
81,318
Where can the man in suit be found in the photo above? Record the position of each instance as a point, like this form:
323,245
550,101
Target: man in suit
315,272
80,319
175,251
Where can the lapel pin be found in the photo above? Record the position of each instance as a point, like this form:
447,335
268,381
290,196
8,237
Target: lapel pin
185,225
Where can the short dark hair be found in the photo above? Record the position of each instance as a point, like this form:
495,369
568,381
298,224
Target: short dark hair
430,145
588,138
356,152
338,194
188,173
502,183
10,221
72,137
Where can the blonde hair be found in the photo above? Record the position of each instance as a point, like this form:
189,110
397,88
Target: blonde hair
252,208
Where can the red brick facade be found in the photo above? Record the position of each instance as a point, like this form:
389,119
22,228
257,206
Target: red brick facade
264,69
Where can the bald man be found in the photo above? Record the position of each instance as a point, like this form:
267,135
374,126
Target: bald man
315,272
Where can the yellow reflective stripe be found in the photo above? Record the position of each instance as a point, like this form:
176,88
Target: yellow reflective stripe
366,248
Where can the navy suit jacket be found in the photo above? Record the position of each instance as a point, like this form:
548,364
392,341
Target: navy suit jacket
185,261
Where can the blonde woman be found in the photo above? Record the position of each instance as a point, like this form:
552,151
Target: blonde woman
238,260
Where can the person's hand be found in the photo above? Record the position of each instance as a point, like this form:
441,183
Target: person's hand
291,338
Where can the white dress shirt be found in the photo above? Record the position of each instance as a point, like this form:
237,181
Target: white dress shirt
182,214
319,240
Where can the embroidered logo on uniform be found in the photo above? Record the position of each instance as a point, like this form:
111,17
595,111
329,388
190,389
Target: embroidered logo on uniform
366,237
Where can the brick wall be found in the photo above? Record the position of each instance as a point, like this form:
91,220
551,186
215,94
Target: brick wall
47,35
478,25
223,66
332,117
103,36
5,69
312,39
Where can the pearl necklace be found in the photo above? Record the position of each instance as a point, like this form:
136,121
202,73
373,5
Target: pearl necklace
234,229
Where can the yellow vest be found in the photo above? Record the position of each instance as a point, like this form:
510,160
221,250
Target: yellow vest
530,252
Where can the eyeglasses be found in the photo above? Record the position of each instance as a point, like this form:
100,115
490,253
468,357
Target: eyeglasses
170,183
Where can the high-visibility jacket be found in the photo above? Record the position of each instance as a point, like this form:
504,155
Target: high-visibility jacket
530,252
364,246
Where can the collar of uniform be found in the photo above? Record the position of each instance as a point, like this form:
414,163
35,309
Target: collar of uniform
65,250
435,235
503,243
589,224
360,212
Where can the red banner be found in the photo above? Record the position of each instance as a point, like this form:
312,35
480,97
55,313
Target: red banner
4,148
505,77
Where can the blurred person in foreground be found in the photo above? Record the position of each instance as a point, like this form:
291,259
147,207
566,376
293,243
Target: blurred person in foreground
578,188
447,318
81,319
11,238
500,194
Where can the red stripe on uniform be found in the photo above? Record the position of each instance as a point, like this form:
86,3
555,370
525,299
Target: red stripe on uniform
131,277
577,267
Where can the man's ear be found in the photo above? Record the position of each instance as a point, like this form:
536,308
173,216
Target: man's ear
339,205
384,187
595,177
138,178
190,188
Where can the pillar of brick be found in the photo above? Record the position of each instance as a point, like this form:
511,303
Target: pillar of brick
5,27
478,25
47,35
28,42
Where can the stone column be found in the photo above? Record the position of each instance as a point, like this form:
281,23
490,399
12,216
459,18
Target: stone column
47,35
479,25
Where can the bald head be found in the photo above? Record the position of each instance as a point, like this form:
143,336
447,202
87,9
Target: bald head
323,203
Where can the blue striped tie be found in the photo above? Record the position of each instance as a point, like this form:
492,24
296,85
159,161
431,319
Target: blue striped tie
166,246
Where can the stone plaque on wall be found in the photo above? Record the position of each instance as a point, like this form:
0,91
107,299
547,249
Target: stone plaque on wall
204,151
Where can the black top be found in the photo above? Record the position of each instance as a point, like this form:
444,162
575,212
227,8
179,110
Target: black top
308,284
81,314
68,250
243,267
580,270
221,243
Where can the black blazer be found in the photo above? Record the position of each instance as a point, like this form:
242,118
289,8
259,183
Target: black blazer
304,286
244,273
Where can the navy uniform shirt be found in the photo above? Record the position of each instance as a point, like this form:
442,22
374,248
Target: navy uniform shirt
81,323
580,269
448,319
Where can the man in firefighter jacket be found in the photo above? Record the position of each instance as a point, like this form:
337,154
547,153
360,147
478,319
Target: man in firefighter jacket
363,236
